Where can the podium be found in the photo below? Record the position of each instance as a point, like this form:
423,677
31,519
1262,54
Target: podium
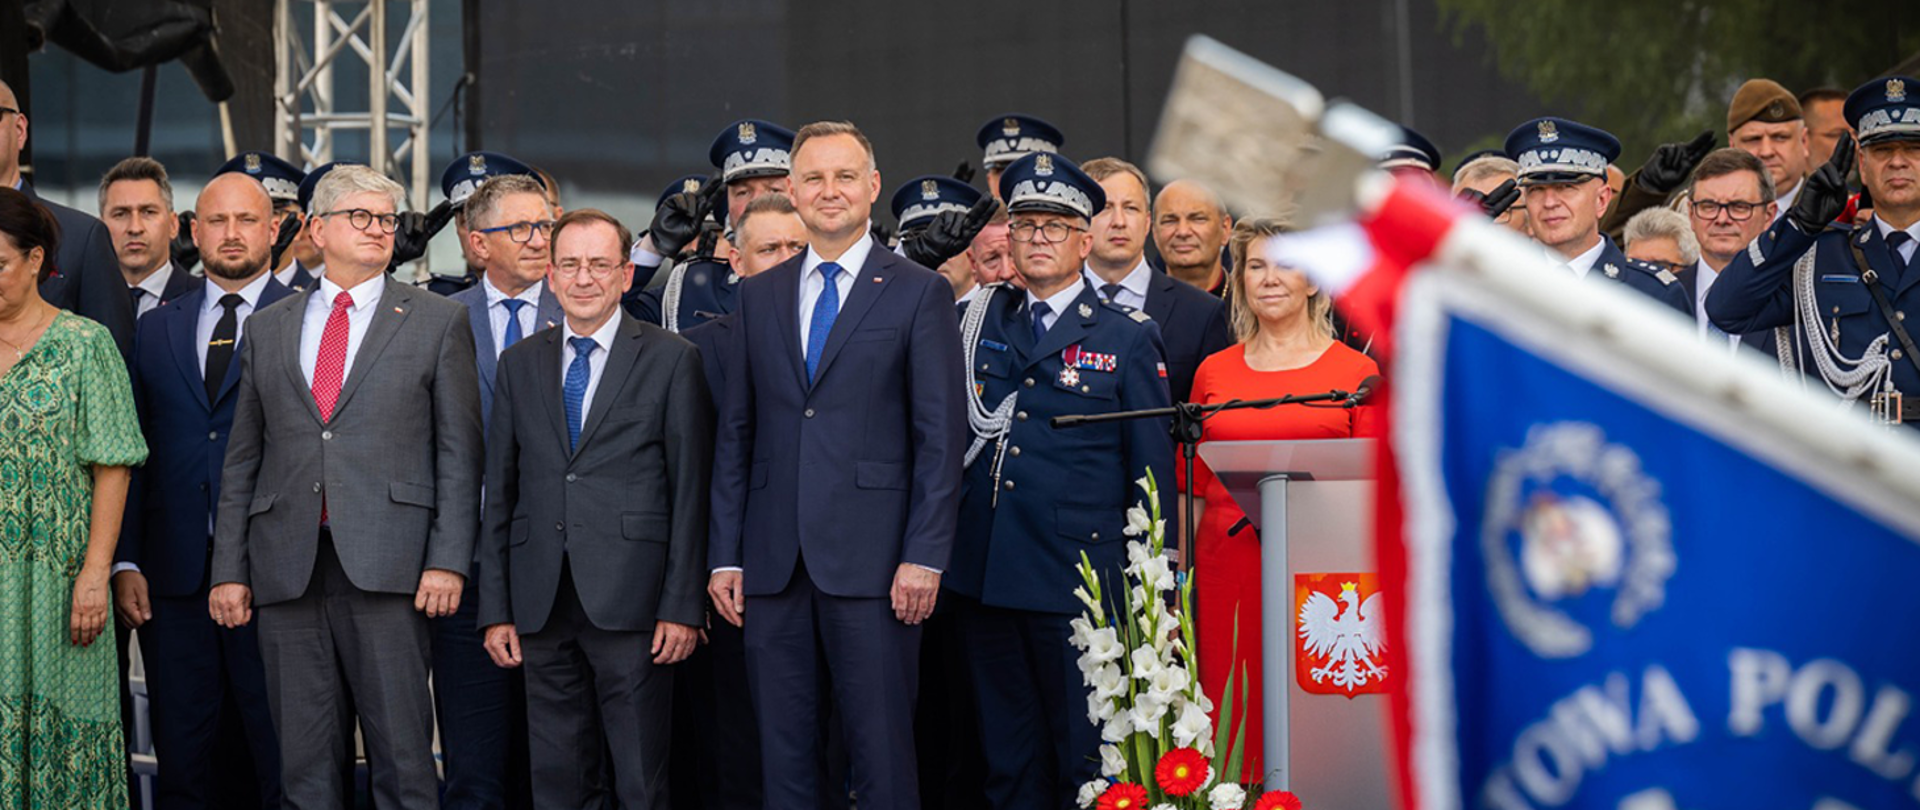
1312,502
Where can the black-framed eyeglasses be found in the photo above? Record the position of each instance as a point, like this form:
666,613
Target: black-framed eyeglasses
522,232
5,110
1737,210
1055,231
362,219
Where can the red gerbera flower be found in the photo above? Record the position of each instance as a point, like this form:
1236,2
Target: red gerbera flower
1181,771
1278,800
1123,796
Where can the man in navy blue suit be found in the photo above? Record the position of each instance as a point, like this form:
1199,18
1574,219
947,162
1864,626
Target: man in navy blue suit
207,684
837,480
136,205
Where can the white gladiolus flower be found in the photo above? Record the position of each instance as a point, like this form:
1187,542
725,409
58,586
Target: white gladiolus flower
1143,484
1191,725
1087,599
1111,763
1226,796
1103,645
1138,521
1081,628
1145,715
1163,806
1090,792
1099,709
1156,573
1168,683
1145,663
1117,728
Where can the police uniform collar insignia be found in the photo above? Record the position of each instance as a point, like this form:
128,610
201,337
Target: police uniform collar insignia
1043,165
1865,234
1010,128
1548,132
477,164
929,189
1086,311
1611,270
690,185
1896,90
253,163
733,277
746,133
1069,377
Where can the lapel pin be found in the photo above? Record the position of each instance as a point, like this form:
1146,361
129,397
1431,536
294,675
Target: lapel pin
876,279
1086,311
399,311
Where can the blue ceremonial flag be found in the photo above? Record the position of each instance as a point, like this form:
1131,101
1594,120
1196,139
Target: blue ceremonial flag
1641,574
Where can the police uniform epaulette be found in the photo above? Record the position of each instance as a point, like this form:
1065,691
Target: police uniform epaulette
1665,276
1138,315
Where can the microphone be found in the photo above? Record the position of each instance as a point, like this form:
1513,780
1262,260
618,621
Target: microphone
1363,391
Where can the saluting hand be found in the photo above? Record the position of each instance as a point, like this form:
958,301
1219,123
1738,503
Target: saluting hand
439,593
1672,163
283,237
950,234
914,591
1824,194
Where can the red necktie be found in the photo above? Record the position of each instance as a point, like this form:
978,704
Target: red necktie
330,366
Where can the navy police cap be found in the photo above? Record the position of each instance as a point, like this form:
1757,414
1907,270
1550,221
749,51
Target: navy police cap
691,184
1047,182
313,179
1412,150
752,148
1556,150
281,178
922,198
1886,109
1014,136
464,175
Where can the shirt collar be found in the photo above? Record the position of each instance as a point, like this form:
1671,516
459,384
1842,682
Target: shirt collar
365,294
1136,280
1584,262
850,262
602,337
1787,197
495,295
1058,302
1887,229
156,282
249,294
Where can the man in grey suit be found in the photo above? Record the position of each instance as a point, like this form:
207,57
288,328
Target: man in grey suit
602,430
350,501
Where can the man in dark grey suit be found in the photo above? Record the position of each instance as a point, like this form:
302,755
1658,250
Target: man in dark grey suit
602,430
350,501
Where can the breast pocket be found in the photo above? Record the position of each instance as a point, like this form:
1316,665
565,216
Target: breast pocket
867,335
1088,384
1842,296
992,363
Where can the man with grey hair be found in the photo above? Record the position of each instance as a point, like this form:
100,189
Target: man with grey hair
1660,237
136,203
1482,180
1190,227
356,523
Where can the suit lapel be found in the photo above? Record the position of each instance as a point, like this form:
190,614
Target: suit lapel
396,300
786,280
868,284
1069,328
180,284
482,324
273,292
1161,299
181,328
293,320
548,382
621,359
549,314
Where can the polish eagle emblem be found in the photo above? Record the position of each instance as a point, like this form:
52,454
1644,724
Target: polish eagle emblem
1341,638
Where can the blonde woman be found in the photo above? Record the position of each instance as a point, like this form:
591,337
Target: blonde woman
1285,328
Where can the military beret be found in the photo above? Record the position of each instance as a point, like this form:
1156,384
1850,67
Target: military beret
917,202
1556,150
1043,181
1014,136
752,148
281,178
1761,100
464,175
1885,109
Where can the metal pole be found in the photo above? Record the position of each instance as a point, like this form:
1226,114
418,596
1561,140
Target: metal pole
377,152
1276,629
143,120
470,35
322,88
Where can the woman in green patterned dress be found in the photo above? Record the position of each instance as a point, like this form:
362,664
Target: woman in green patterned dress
67,435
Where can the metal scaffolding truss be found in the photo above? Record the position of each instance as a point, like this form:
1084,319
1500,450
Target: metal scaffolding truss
307,113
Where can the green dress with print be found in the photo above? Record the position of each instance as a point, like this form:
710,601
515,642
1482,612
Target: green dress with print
64,407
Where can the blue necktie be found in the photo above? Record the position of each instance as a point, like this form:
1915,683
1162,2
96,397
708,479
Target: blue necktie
578,372
513,336
1040,310
1895,241
825,309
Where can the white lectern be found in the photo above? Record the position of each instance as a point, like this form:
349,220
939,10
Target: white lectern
1313,504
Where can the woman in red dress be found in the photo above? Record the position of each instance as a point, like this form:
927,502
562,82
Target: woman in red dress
1287,346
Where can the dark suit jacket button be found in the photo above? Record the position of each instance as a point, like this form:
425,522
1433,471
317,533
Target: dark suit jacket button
1008,485
326,435
809,413
1014,451
316,486
572,478
559,527
1022,416
1028,382
214,436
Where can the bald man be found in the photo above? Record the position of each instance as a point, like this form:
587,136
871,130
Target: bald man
86,275
206,684
1190,226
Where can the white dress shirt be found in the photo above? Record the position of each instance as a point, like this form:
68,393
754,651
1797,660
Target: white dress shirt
210,312
366,298
154,285
1133,288
596,362
812,282
1706,275
497,313
1785,200
1583,263
285,276
1057,302
1906,250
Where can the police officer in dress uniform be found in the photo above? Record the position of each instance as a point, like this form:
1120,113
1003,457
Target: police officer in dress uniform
1847,290
1036,497
752,157
1563,167
1010,137
1413,155
458,181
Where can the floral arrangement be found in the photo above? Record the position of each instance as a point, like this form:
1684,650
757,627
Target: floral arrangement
1159,748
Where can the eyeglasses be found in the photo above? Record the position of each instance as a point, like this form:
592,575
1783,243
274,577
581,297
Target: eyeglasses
5,110
1055,231
362,219
1738,210
598,268
522,232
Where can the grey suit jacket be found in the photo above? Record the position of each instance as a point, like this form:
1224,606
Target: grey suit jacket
628,508
547,316
399,463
